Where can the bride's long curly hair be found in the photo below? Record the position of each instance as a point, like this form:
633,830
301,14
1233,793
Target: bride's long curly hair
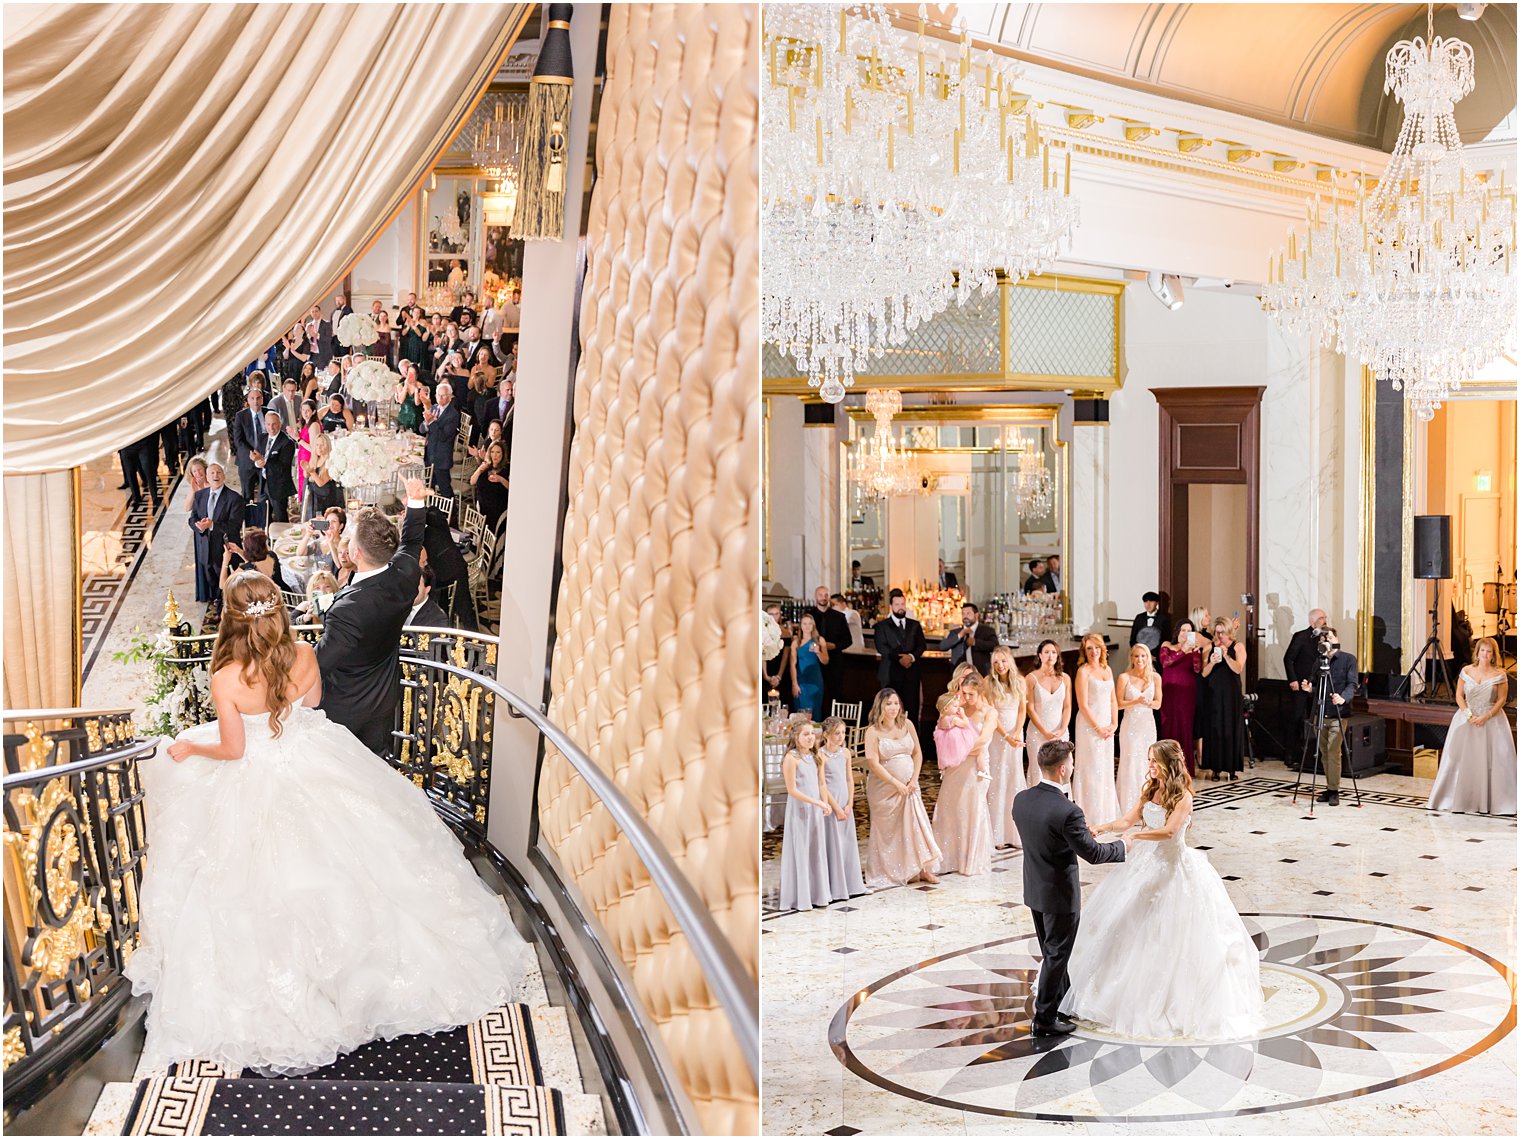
1175,782
255,634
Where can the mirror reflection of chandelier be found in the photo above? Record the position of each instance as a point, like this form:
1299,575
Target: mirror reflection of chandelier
878,466
1034,490
898,176
448,225
496,147
1415,279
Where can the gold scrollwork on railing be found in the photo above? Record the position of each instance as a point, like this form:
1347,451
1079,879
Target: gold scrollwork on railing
54,879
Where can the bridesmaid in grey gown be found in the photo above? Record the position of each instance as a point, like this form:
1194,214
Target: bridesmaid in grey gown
840,845
804,865
1477,771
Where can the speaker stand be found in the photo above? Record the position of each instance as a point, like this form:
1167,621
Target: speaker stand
1432,648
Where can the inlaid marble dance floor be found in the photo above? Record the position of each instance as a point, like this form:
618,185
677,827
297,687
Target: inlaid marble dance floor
1387,937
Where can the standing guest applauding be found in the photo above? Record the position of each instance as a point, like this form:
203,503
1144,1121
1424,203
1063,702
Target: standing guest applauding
441,426
250,436
491,485
1477,771
900,645
1181,666
1224,727
276,463
216,516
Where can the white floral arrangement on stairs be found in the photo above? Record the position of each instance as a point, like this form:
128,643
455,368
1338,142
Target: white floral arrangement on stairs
357,330
176,697
372,381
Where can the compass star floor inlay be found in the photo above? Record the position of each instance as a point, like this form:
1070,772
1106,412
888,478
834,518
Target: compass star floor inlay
1352,1007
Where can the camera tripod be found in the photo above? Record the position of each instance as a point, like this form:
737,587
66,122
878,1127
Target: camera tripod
1432,648
1321,698
1246,712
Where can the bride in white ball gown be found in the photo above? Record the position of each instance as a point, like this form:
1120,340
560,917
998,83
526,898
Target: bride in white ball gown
301,897
1161,952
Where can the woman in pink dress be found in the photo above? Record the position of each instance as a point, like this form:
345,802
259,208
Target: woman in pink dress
1181,663
962,826
309,428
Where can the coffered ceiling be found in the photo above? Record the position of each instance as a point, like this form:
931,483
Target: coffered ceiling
1315,67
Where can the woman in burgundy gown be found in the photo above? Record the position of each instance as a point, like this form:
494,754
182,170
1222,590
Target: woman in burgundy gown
1181,663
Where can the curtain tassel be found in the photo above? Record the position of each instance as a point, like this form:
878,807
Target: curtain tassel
541,202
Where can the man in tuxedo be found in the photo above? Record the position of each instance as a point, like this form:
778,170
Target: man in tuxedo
320,330
900,645
341,308
501,406
466,305
1300,663
426,613
441,427
972,638
276,465
1054,834
216,516
1338,693
250,436
449,568
834,628
1039,574
141,461
1053,573
360,650
947,579
287,405
1151,627
332,381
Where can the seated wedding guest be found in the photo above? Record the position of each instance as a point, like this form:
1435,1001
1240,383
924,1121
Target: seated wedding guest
900,846
322,490
427,613
491,483
321,588
329,382
1181,666
216,516
276,467
804,859
253,552
974,640
308,428
336,417
1477,769
1151,628
840,844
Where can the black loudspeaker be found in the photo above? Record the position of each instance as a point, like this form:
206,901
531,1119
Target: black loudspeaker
815,414
1432,546
1368,751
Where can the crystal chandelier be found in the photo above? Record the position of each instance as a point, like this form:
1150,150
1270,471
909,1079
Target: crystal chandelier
496,147
1034,490
1413,280
878,465
896,178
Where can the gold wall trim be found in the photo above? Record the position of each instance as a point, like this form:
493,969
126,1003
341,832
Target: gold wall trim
76,493
1406,551
1366,516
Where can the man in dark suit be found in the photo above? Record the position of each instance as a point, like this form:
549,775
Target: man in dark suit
900,645
250,436
947,578
1039,574
834,628
1300,663
341,308
1151,628
427,613
216,516
141,459
449,568
321,332
1344,682
499,404
972,637
276,465
360,650
441,426
466,304
1054,834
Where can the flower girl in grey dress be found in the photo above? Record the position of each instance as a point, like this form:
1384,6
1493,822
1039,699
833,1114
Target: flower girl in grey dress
804,864
840,844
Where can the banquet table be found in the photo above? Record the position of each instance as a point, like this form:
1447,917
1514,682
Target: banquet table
285,539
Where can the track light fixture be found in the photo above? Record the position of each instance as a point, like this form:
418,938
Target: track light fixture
1166,287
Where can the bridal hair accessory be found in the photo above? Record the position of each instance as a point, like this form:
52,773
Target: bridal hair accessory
259,608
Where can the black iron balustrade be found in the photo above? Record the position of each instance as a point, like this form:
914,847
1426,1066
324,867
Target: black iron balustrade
74,845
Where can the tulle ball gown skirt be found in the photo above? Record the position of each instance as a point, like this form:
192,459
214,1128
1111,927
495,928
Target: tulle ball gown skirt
305,899
1477,769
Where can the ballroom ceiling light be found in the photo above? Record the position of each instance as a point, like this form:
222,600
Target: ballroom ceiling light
1413,280
878,465
897,176
1167,288
1034,488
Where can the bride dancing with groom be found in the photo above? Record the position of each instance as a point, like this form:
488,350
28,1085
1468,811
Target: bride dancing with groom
301,898
1162,954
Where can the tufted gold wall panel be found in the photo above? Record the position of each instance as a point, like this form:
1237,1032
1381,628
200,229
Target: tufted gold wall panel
653,673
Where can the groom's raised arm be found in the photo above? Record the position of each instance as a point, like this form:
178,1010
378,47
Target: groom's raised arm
1081,840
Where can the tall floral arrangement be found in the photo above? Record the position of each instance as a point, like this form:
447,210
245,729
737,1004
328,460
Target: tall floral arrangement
176,696
372,381
770,636
363,458
357,330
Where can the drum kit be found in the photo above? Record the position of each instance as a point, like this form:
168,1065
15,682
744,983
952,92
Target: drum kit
1499,601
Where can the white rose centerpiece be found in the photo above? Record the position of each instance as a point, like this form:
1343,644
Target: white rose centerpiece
372,381
770,636
357,330
363,458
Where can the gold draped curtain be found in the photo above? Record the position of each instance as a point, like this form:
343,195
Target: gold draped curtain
183,181
654,668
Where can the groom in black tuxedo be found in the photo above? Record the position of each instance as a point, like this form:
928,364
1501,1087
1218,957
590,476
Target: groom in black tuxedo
900,644
360,650
1054,834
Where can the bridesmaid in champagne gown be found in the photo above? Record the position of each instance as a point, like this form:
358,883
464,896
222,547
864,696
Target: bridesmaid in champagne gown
962,826
1477,771
901,846
1092,777
1139,696
1006,752
1047,696
1181,665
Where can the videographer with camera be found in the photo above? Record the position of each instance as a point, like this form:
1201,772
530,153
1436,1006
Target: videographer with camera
1340,682
1299,663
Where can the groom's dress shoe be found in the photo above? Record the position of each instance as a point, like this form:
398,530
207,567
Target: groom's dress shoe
1057,1029
1062,1018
